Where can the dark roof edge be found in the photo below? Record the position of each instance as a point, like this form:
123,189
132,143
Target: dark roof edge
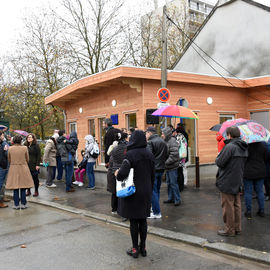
267,8
209,16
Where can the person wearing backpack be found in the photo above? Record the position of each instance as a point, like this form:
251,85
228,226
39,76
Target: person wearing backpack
3,168
67,150
92,151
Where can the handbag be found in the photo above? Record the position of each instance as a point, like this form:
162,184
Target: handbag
126,187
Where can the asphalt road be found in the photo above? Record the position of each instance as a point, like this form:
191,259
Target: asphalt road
44,238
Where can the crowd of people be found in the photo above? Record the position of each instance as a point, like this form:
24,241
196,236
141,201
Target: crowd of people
241,167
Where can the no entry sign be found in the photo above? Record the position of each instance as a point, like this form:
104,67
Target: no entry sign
163,94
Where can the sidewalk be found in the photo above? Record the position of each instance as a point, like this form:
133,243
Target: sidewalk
197,219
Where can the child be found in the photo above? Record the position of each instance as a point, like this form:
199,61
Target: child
79,173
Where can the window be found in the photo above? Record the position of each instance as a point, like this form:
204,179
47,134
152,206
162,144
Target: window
198,6
131,120
92,130
72,127
225,117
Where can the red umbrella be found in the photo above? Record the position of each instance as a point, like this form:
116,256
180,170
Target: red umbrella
175,111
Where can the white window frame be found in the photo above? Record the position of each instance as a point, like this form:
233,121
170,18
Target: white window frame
227,115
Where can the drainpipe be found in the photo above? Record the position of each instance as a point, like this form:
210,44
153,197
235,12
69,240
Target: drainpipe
65,120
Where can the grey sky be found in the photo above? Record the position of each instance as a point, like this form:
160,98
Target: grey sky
12,11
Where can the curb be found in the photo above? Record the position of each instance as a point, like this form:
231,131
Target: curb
229,249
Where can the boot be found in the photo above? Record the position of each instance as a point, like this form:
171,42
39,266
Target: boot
143,250
28,192
35,194
134,252
260,213
3,205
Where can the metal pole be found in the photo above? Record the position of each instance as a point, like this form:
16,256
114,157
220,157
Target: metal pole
197,166
164,50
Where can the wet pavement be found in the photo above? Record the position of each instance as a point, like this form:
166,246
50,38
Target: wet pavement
199,214
46,238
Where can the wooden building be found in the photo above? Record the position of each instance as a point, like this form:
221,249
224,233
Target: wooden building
128,92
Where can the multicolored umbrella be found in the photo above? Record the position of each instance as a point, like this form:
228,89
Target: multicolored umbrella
175,111
251,131
215,127
2,127
21,132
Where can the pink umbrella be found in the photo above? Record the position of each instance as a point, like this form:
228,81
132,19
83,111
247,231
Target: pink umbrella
21,132
175,111
230,123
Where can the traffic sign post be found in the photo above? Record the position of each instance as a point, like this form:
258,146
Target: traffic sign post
164,94
162,105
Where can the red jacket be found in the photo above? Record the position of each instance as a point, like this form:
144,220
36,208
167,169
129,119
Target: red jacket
220,139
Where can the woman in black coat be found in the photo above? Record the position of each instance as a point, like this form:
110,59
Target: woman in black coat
34,161
254,174
116,159
137,206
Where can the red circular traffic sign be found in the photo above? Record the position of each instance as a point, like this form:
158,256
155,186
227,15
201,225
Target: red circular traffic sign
164,94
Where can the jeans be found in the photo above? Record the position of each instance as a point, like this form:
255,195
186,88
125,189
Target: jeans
16,196
173,189
156,193
59,167
69,172
90,174
3,174
248,187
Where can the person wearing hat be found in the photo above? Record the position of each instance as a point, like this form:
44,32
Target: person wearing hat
160,151
49,159
171,167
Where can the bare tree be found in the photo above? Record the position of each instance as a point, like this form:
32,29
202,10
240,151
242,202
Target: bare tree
150,27
95,32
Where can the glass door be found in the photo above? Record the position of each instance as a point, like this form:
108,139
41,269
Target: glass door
131,120
101,132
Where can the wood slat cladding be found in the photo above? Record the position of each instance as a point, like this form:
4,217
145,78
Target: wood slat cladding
95,94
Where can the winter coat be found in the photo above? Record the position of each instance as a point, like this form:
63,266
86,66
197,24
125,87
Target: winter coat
159,149
19,175
231,161
220,139
3,156
73,142
182,131
66,149
112,146
50,153
255,167
118,154
34,156
172,162
111,182
89,144
109,139
137,206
